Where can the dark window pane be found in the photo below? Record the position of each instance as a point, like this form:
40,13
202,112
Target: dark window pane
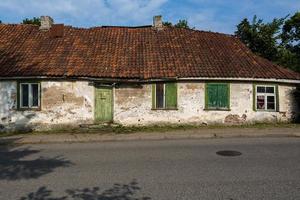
261,102
270,90
261,89
160,95
271,103
35,95
25,93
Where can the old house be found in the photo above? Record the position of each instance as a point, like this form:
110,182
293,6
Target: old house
56,75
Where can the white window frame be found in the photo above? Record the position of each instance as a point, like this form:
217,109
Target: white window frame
266,95
30,98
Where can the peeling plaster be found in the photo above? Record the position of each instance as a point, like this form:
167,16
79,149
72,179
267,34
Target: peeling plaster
72,103
68,103
191,104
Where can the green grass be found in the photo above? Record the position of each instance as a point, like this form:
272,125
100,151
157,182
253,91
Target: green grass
119,129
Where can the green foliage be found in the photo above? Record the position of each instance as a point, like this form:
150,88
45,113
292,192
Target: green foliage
291,42
291,29
277,41
168,24
182,23
34,21
262,38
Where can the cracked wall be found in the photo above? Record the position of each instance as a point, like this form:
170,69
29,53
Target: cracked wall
133,106
72,103
62,103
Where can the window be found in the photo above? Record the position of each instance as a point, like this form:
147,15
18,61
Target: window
217,96
29,95
265,98
164,96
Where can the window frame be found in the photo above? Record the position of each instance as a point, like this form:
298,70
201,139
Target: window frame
228,96
30,98
266,95
154,97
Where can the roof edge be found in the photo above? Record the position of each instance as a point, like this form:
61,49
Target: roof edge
292,81
243,79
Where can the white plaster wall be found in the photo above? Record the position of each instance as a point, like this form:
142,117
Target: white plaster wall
64,103
8,100
72,103
289,105
133,106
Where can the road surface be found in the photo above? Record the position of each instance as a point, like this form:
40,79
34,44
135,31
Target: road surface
269,168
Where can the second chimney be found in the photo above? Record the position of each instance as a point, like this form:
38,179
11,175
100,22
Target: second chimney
157,22
46,23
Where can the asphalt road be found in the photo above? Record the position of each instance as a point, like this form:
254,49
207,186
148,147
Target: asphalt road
269,168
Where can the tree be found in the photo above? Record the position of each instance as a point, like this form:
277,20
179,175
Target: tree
262,38
291,42
34,21
291,30
182,23
278,41
168,24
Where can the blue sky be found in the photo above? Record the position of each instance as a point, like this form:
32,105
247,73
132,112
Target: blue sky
213,15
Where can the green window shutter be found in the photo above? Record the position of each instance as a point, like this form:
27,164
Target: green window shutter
223,96
212,96
171,95
153,96
217,96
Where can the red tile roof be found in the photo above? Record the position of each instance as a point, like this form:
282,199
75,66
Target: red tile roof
129,53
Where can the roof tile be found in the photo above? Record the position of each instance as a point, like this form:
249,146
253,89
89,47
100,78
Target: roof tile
123,52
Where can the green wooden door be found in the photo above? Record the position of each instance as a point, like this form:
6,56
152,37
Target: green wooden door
103,104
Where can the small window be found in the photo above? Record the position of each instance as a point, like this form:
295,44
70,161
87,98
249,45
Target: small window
164,96
265,98
29,95
160,95
217,96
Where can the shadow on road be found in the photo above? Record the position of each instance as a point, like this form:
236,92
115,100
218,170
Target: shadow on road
14,166
117,192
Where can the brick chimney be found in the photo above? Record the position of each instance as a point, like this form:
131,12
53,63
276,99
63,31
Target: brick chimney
46,23
157,22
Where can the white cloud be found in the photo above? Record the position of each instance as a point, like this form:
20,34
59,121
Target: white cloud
214,15
138,11
208,20
87,12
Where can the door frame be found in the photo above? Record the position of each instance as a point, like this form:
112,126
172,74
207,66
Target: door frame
96,86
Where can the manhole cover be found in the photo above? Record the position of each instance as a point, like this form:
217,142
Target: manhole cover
229,153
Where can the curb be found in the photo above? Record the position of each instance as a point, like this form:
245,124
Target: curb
85,138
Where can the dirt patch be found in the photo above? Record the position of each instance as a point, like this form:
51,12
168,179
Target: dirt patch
192,86
235,119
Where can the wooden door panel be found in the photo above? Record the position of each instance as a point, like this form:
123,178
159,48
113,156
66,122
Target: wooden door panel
103,104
